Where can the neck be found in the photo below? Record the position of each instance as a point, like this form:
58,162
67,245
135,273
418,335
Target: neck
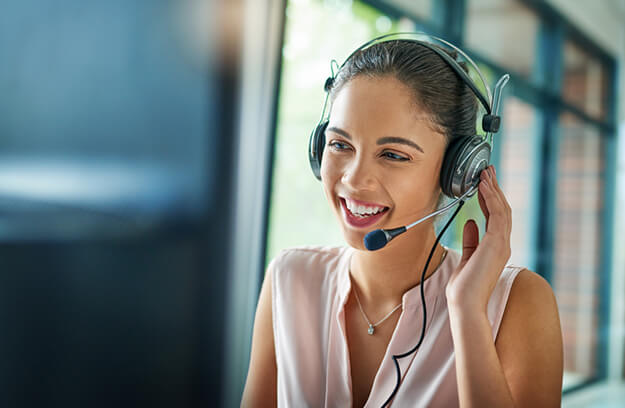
382,277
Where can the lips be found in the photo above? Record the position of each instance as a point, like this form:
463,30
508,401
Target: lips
360,222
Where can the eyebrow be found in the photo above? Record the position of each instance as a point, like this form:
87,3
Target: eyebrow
382,140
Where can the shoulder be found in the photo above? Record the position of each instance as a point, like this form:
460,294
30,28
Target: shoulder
306,258
530,292
522,296
531,304
529,344
517,296
305,268
532,284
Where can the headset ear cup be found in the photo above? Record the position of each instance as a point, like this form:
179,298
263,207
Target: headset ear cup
449,161
462,165
315,148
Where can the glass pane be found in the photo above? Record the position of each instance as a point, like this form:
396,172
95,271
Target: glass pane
577,245
316,33
416,8
518,147
510,20
584,81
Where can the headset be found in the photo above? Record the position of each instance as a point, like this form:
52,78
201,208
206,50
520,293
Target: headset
464,158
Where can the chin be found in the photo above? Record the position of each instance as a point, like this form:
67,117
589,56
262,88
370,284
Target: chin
355,239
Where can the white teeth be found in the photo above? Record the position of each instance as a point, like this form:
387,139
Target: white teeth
361,209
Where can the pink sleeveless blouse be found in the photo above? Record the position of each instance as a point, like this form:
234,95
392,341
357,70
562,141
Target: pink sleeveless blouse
310,286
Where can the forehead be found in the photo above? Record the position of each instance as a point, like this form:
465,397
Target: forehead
376,107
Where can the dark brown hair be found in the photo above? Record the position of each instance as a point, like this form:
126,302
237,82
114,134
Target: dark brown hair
437,89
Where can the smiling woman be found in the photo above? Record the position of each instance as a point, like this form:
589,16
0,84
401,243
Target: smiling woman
371,169
326,332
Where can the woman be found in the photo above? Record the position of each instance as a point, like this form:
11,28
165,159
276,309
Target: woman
329,319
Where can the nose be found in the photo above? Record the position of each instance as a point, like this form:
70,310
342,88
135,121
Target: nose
358,175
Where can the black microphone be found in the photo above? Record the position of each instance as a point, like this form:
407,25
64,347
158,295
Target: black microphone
377,239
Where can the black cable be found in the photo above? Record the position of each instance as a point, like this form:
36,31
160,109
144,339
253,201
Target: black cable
398,356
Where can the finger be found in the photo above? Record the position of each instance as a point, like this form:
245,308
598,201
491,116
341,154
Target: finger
497,221
470,239
502,197
495,181
495,185
482,202
505,205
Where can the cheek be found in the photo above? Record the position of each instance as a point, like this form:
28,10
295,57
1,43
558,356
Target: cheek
417,188
422,178
328,173
330,168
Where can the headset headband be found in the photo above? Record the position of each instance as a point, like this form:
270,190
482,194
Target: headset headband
490,121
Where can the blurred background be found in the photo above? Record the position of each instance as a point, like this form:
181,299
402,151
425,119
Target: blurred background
153,161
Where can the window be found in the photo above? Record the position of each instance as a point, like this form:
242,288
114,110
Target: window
416,8
517,165
509,19
584,81
577,245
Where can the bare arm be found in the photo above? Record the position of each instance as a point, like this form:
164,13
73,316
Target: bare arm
524,367
261,384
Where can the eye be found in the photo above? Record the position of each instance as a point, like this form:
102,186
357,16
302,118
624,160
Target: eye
338,145
394,157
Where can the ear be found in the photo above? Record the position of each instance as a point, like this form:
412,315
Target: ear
470,240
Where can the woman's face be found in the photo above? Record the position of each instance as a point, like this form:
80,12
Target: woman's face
381,155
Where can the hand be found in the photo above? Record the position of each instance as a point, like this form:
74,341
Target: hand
472,282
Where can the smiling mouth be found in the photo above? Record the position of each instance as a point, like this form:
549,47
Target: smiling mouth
366,212
358,220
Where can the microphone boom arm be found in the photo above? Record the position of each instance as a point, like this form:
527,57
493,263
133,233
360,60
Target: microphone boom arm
379,238
469,193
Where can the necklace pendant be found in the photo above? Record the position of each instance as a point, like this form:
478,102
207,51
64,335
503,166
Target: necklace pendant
371,329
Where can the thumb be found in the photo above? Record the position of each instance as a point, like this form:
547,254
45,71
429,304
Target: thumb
470,240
